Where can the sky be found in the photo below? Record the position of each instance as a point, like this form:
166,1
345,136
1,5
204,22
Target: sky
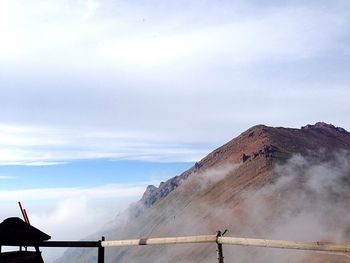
109,96
164,81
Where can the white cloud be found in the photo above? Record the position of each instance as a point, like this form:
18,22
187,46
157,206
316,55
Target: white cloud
92,6
29,145
284,34
106,79
7,177
103,192
74,219
70,213
62,30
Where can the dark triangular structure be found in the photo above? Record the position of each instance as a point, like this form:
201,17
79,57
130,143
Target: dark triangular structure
15,232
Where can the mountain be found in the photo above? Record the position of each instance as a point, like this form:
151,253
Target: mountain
269,182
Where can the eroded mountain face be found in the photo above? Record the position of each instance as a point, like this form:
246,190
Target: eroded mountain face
277,183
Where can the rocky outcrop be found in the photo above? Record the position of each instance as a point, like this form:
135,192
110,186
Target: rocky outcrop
323,125
153,193
150,196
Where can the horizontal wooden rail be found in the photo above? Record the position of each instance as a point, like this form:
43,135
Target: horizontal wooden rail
160,241
284,244
317,245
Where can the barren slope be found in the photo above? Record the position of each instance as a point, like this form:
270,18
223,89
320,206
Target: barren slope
268,183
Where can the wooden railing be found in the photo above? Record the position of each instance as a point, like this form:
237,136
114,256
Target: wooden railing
284,244
219,239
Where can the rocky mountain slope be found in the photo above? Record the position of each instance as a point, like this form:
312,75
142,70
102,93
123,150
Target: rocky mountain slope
268,182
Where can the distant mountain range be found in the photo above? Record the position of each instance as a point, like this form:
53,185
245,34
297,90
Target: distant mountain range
269,182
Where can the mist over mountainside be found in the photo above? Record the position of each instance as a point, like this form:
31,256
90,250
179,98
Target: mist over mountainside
277,183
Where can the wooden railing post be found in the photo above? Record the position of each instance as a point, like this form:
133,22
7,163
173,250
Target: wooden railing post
101,252
219,247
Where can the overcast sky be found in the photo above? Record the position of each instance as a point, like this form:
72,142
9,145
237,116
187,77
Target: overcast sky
164,80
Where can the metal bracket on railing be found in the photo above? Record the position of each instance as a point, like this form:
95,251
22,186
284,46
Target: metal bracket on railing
219,246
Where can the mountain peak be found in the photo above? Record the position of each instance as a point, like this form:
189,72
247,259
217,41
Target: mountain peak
323,125
259,142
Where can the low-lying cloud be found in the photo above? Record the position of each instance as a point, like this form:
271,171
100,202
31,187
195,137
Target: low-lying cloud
69,213
45,194
309,200
306,198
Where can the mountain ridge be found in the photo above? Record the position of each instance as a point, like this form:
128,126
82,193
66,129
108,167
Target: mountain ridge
263,169
259,140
